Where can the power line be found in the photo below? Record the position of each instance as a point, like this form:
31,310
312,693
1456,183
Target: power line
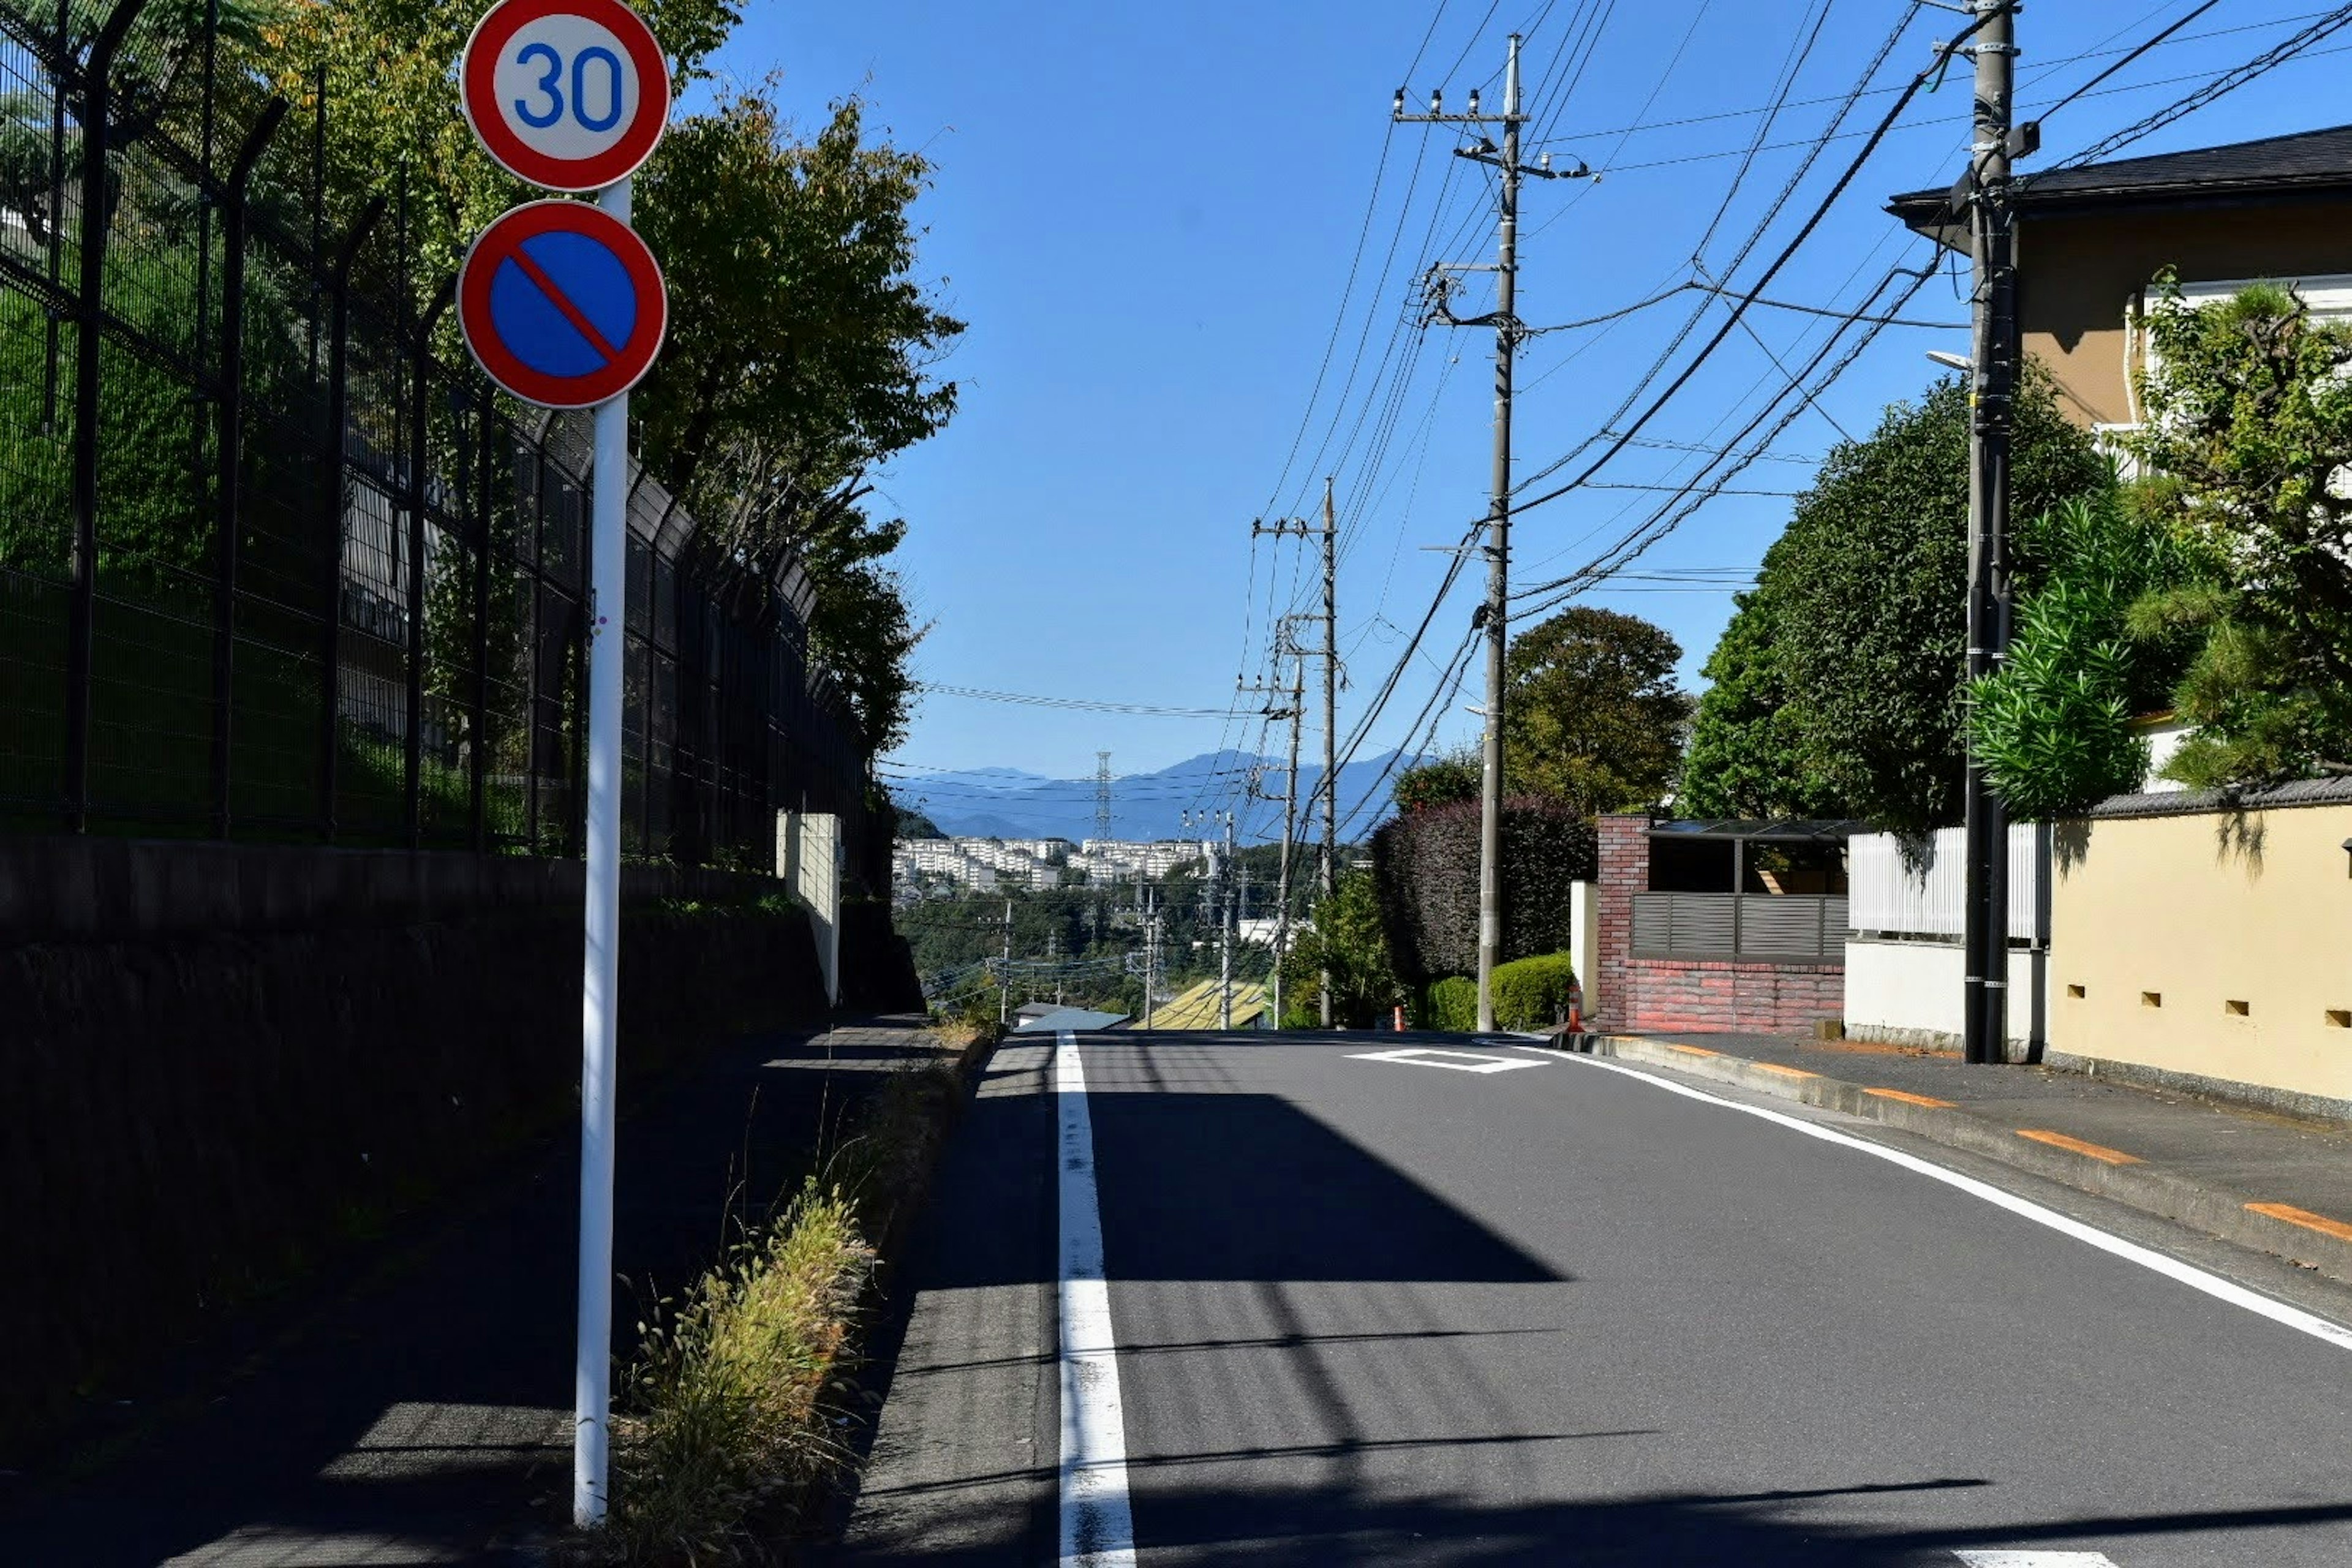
2216,88
1788,252
2131,55
1078,704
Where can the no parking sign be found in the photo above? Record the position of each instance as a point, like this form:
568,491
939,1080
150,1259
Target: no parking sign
561,304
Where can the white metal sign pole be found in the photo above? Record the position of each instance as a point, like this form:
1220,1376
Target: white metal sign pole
608,563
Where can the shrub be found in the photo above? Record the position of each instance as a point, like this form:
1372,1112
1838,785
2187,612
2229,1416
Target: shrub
731,1387
1426,866
1451,1004
1531,993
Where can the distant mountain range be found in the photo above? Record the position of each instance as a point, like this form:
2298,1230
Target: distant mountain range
1007,803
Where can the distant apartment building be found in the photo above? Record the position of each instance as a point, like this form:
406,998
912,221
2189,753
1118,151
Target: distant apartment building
945,866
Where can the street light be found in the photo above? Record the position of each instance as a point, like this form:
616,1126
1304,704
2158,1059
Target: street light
1960,363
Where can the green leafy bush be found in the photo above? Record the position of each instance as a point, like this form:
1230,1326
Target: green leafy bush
2054,726
1532,993
1838,688
1425,865
1451,1004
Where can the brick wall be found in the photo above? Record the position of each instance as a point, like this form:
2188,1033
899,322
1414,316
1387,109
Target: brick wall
1624,854
1762,998
1692,994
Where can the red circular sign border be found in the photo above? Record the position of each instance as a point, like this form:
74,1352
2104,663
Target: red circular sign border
511,228
477,74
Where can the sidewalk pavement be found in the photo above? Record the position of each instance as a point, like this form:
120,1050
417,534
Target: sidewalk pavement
423,1416
2269,1181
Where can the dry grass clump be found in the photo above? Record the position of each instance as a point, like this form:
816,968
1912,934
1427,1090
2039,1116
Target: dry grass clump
732,1393
737,1399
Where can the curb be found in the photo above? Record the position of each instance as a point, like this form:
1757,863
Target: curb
2222,1212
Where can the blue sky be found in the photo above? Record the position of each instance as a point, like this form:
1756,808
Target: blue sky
1150,217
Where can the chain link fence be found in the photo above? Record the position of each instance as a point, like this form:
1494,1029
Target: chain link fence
271,567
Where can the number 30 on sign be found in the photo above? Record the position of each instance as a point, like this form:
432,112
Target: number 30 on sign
570,95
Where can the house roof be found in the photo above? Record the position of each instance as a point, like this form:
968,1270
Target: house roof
2273,168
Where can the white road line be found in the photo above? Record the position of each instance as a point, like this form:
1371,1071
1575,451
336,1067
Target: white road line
1427,1057
2035,1559
1098,1530
2195,1278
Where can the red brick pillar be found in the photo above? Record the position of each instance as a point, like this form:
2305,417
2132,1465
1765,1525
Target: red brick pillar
1624,870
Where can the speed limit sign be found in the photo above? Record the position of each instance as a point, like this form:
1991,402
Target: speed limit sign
570,95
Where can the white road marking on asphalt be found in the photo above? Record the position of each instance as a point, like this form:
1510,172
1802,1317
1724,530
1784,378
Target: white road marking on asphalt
1424,1056
2195,1278
2036,1559
1097,1528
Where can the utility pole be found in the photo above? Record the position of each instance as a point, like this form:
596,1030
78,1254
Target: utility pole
1150,954
1331,785
1992,374
1297,692
1102,833
1004,980
1225,934
1327,532
1495,615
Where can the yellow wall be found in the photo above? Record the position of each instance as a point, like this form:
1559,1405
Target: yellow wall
2203,910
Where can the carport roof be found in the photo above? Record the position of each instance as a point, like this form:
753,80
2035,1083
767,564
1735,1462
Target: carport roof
1787,829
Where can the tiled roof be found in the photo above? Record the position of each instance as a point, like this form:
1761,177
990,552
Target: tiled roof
2306,161
2186,803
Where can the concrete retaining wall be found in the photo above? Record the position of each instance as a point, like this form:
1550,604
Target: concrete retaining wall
1909,993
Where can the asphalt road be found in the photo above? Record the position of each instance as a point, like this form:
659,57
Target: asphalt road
1441,1310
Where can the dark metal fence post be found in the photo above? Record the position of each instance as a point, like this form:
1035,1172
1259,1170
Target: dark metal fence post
330,647
231,451
83,615
485,420
420,365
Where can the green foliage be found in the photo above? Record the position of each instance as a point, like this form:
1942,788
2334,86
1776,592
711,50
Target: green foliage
800,344
1449,1005
1441,781
1593,716
1347,940
1426,868
910,823
1532,993
1839,684
2054,725
2248,429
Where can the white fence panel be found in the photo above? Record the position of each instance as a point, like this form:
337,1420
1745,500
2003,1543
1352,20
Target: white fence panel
1886,895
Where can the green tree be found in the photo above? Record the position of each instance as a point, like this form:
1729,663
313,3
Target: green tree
1441,781
1593,714
1839,682
1347,939
2054,725
801,343
2248,434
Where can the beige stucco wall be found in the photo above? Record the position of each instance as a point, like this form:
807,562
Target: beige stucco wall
2203,910
2080,273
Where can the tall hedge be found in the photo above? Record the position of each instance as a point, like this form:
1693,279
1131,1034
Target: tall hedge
1425,866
